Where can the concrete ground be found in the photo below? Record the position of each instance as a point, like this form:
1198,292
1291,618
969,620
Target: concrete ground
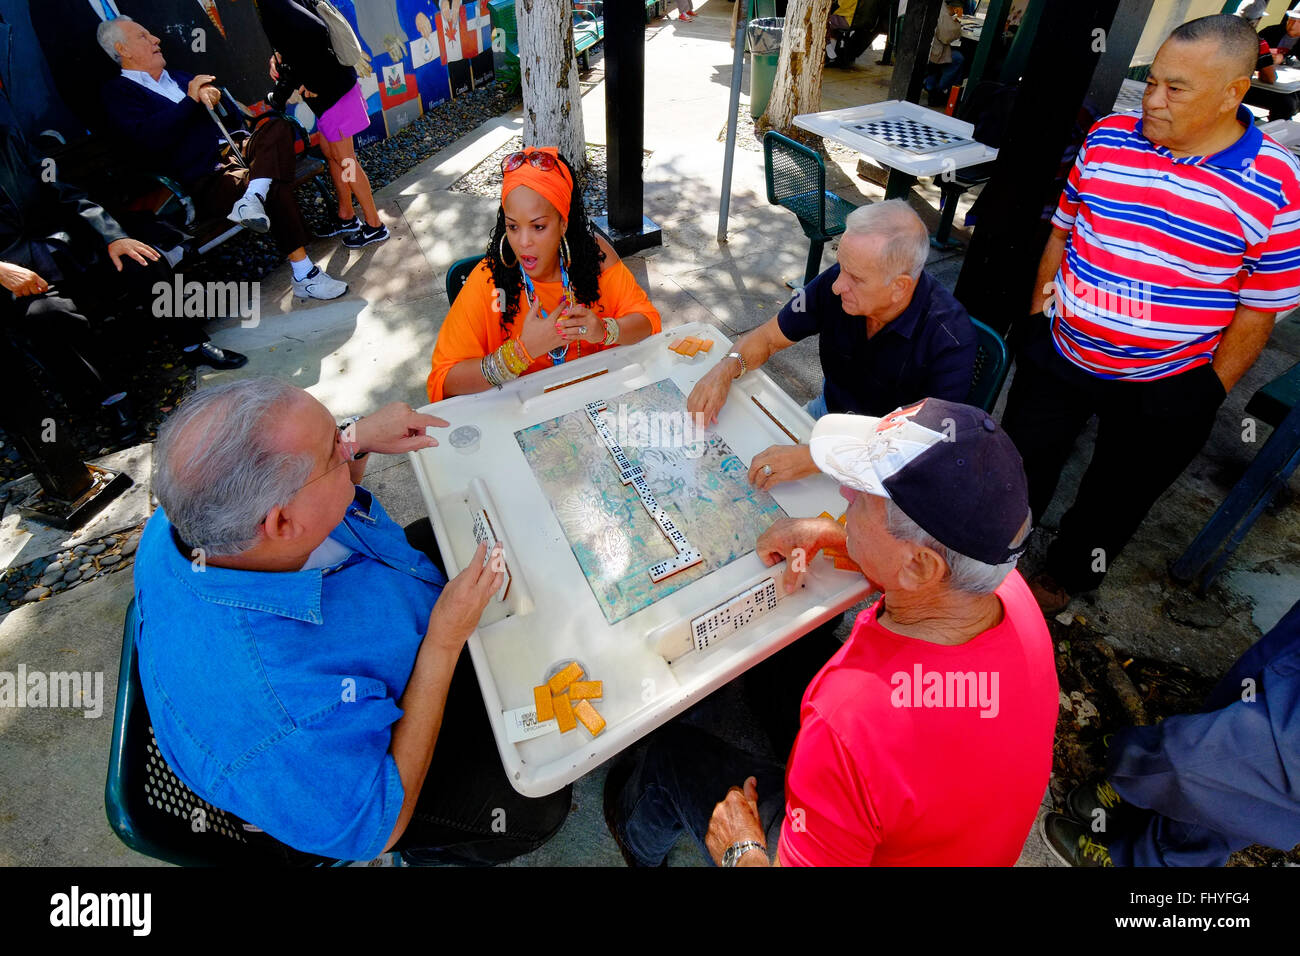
374,346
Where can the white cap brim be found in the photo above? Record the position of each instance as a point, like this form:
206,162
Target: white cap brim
843,447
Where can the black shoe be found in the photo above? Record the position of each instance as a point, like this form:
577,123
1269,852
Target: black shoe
339,227
365,236
615,782
1103,810
123,428
205,353
1071,842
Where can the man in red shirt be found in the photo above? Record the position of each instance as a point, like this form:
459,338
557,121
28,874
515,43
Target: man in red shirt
927,739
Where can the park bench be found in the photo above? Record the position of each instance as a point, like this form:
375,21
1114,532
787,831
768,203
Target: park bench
588,28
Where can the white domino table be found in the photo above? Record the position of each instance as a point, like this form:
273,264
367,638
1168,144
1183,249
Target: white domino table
655,662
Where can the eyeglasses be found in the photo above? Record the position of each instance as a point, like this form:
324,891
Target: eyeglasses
543,161
341,458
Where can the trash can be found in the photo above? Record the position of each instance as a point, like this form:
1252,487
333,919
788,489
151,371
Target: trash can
763,41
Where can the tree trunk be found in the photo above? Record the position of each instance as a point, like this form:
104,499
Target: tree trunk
548,73
798,86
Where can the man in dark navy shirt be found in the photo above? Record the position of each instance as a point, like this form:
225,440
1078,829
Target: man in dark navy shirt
889,334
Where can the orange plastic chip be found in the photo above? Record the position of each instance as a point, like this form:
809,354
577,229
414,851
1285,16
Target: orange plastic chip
590,719
842,518
564,713
826,514
542,696
690,348
845,564
584,689
706,344
564,678
676,345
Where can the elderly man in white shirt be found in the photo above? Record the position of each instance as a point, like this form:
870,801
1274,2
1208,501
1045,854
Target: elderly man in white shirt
164,119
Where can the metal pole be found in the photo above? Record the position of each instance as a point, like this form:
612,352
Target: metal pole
737,65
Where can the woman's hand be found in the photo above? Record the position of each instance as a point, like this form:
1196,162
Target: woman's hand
538,332
275,74
576,321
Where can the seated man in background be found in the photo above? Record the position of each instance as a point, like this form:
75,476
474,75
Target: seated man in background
927,738
163,120
65,264
888,334
1277,45
299,657
1195,788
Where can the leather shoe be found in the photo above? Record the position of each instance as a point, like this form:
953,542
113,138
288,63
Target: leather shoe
205,353
1051,597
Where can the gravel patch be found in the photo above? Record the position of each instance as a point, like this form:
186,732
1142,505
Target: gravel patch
39,579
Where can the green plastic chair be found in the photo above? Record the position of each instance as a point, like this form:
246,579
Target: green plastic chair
992,362
458,273
149,808
796,179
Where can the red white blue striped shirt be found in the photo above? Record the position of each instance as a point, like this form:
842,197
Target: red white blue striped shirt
1162,250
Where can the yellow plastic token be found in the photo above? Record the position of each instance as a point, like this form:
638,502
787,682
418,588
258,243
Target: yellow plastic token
590,719
564,678
542,696
564,713
586,689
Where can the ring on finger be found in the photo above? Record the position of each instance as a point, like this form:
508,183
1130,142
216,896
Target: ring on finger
582,330
767,470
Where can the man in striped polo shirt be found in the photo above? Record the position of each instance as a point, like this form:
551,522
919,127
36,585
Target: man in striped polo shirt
1175,246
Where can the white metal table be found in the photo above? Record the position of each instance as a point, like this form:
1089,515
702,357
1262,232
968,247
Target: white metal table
650,661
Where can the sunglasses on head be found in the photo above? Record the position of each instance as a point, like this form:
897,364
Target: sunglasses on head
543,161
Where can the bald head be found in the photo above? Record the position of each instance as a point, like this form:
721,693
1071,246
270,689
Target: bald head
1230,41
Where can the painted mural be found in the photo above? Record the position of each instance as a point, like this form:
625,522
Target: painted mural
420,52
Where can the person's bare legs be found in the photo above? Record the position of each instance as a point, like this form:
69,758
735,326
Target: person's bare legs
350,180
342,188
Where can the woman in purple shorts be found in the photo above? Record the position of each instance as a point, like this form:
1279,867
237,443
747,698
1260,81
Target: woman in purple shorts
301,42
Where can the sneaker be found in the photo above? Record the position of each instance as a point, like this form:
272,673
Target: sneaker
365,236
1101,808
318,284
688,16
250,213
1072,843
1051,597
339,227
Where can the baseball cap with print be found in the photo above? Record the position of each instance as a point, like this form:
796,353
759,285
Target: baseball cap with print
948,466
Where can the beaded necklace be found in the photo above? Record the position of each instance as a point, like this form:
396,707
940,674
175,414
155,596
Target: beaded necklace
559,353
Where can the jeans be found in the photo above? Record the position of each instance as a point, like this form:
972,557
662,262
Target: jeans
1224,778
677,781
467,811
817,407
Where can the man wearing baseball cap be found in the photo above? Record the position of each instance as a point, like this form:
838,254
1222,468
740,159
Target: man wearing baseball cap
927,739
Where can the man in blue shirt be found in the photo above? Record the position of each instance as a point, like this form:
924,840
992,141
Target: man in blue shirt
299,657
888,333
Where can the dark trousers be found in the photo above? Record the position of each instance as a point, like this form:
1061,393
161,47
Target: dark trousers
684,771
467,811
1222,779
269,154
676,782
1147,433
81,330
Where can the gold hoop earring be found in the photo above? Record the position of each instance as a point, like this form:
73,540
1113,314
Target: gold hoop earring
501,249
564,251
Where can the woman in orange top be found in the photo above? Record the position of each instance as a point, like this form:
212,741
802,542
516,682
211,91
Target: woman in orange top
548,291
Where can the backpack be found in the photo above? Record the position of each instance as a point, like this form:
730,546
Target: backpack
343,41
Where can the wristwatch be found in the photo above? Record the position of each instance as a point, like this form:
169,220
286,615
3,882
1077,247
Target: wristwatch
731,856
741,359
354,452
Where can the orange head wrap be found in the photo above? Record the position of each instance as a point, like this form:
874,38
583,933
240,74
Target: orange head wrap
554,185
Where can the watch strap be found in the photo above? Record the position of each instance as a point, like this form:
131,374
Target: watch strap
738,849
741,359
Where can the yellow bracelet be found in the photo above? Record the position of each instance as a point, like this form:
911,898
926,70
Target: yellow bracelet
514,356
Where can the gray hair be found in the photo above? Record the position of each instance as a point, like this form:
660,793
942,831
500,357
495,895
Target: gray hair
964,574
110,32
215,471
907,241
1236,40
